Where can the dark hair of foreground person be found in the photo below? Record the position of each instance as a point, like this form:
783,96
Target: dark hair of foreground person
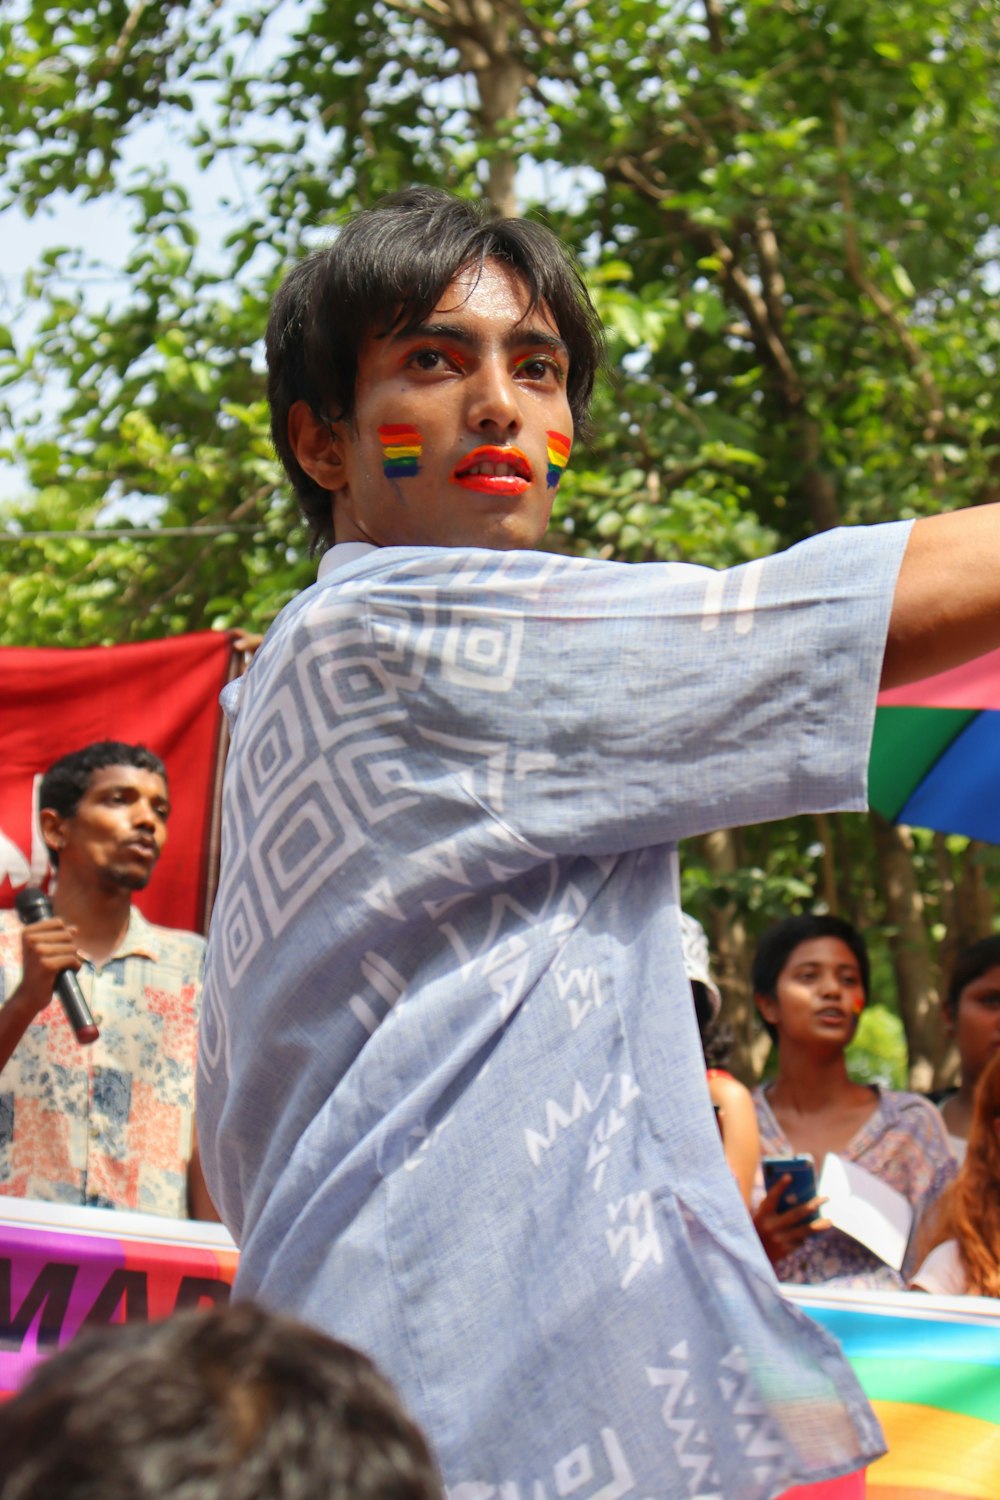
235,1404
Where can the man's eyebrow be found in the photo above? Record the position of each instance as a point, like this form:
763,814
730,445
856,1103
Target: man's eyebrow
522,335
130,787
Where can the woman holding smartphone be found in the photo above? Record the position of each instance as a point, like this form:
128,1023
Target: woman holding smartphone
810,978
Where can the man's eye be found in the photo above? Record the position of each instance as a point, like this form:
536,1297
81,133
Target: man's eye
427,359
538,366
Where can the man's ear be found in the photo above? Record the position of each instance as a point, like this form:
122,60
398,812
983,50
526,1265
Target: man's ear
318,447
51,824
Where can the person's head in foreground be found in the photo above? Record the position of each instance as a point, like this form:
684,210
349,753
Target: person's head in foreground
971,1008
103,812
426,374
969,1208
237,1404
810,979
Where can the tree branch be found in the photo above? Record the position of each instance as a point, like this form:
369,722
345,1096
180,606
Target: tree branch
117,55
882,304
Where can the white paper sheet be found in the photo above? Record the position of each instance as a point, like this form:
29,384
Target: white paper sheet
870,1211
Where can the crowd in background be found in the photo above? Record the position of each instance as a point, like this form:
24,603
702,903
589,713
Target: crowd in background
811,981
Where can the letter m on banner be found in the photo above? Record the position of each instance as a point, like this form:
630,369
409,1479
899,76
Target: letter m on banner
163,694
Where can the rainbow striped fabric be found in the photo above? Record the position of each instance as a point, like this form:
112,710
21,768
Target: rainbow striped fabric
935,752
930,1366
402,447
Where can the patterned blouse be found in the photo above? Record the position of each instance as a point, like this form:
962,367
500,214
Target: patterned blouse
904,1143
108,1125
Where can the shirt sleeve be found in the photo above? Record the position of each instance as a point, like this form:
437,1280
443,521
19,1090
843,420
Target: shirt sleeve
597,707
941,1272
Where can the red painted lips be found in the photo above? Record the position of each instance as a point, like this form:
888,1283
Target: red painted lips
493,470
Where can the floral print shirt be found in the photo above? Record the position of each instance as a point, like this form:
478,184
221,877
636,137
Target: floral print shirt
109,1125
904,1143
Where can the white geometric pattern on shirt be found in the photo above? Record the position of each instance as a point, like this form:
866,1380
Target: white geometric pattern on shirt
350,680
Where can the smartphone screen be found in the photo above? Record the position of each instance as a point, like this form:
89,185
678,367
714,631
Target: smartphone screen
802,1170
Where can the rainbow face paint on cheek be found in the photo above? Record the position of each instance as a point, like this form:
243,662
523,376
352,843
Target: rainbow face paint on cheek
858,1003
402,447
558,456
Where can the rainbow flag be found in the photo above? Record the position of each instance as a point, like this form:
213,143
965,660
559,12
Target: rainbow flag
936,750
402,446
930,1366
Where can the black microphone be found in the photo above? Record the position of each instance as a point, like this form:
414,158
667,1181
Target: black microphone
32,905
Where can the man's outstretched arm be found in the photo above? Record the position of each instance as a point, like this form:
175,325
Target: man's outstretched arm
947,604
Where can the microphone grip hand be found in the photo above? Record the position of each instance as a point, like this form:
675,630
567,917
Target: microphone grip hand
50,959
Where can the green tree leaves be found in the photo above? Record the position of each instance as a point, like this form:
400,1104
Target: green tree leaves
787,215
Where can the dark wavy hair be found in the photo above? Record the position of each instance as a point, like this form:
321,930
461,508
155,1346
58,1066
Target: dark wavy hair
385,271
68,778
780,941
230,1404
970,964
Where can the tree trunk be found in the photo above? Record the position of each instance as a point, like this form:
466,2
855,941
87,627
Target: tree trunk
731,965
831,893
919,1002
815,485
974,899
486,36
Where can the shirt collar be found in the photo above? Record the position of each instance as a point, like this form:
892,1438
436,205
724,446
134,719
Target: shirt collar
139,940
342,553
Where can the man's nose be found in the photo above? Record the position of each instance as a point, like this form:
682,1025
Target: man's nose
494,403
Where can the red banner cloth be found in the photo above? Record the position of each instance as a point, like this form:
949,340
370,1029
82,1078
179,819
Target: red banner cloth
163,694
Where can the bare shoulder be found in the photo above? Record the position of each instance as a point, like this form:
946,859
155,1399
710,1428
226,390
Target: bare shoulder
727,1090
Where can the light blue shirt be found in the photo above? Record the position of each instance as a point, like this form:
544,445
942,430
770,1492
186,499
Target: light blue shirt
452,1100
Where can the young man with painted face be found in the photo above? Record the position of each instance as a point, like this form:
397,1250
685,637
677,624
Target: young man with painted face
451,1093
109,1124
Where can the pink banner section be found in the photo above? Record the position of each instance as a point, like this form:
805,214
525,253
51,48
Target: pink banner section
852,1487
974,685
63,1270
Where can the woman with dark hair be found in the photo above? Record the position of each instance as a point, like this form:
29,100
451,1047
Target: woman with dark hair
810,979
972,1014
962,1243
